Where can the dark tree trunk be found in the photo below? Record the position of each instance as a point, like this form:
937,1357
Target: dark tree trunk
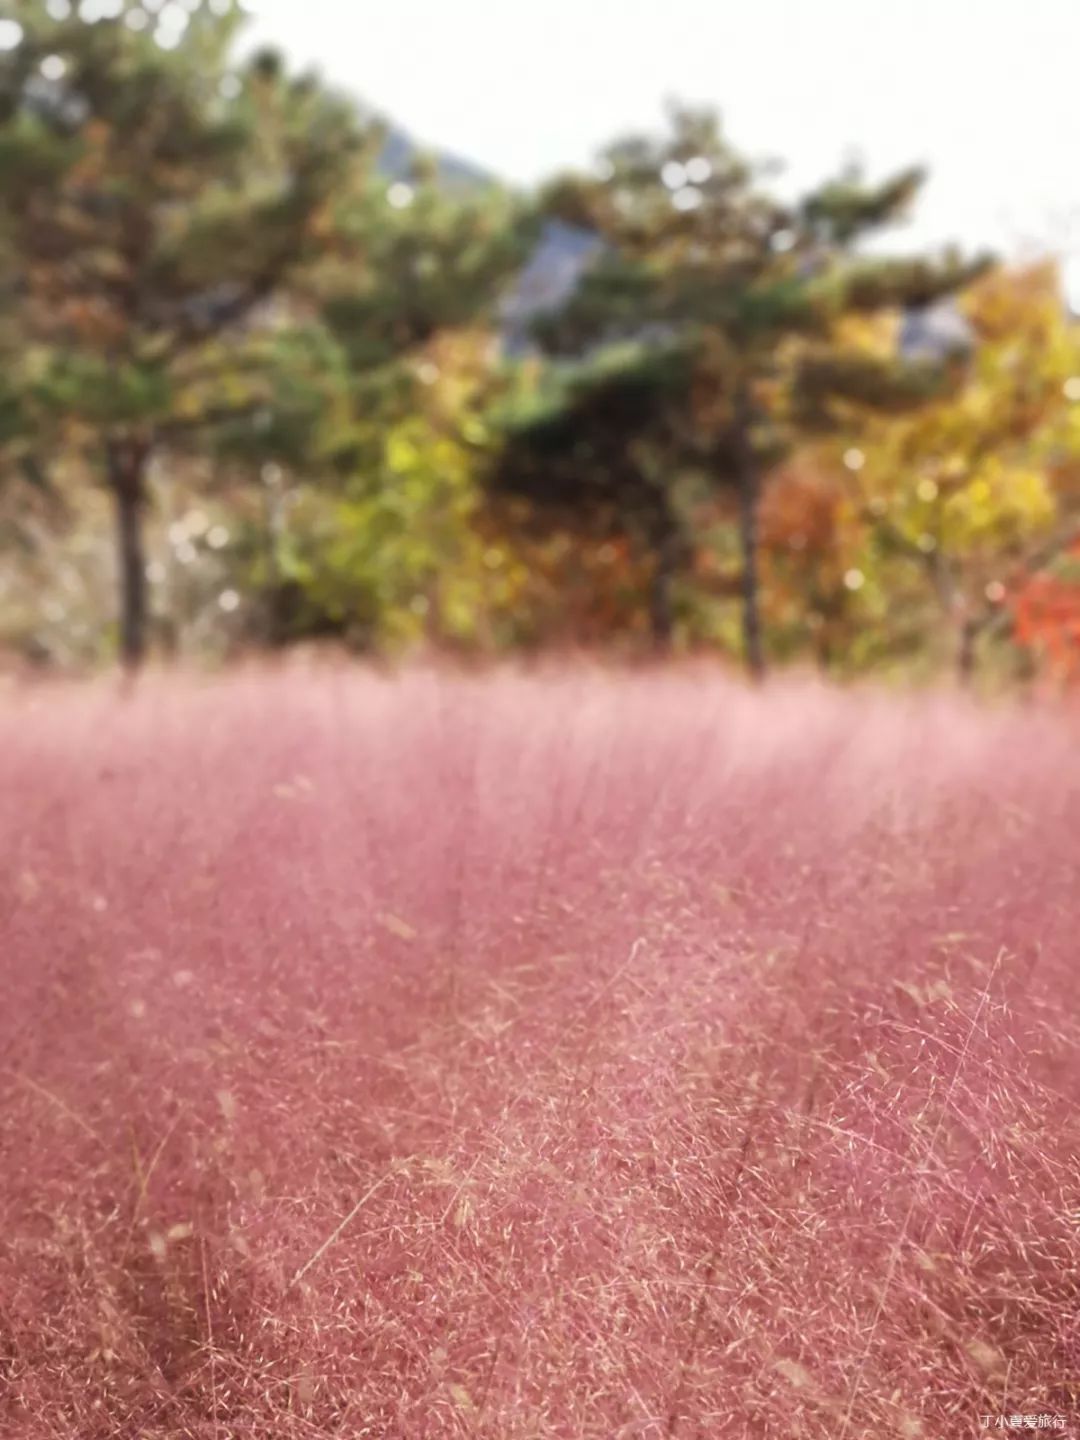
960,624
749,496
667,554
661,531
126,461
965,653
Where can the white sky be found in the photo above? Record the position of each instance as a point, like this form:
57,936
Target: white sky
986,92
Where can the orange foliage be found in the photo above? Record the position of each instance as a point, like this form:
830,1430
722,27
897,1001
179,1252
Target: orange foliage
586,588
799,510
576,585
1046,619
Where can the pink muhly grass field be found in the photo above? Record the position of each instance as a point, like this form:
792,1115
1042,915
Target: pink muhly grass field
502,1056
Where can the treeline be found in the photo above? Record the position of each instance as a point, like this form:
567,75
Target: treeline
257,387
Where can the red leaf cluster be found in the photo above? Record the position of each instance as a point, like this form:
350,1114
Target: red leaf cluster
1046,618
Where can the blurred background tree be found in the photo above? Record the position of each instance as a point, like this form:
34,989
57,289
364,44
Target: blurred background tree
966,499
156,210
272,374
712,334
174,235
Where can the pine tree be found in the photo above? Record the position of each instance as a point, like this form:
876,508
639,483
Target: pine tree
729,312
158,211
205,260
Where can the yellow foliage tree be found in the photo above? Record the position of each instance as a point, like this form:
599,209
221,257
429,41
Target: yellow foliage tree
973,493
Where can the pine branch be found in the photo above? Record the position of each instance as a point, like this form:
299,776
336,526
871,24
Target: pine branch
216,415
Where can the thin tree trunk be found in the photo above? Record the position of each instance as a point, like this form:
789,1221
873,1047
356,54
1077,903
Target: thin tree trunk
666,551
126,461
823,650
272,513
749,482
965,654
958,622
662,532
171,617
822,606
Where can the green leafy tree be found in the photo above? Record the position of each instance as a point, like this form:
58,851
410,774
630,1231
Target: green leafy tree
203,261
159,213
401,552
406,288
729,309
413,259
